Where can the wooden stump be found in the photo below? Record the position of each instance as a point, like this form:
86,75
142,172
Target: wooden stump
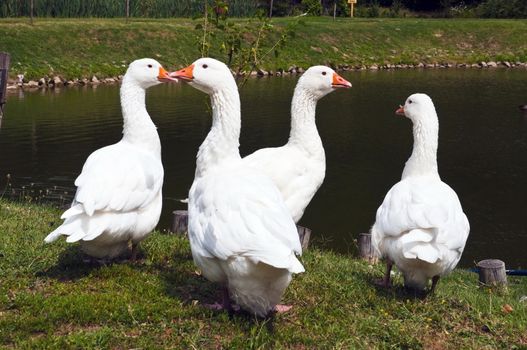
304,234
4,70
366,250
180,222
492,272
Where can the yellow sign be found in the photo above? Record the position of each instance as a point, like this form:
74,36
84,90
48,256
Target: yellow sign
352,1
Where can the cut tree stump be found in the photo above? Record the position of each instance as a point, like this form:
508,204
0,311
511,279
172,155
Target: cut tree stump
180,222
492,272
304,234
366,250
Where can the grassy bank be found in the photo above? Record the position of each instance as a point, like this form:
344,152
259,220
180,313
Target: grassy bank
50,299
76,48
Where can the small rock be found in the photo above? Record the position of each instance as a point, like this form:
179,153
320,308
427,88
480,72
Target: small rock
492,64
32,84
483,64
373,67
507,64
84,81
109,80
12,87
291,69
270,73
420,65
57,81
42,82
429,65
254,74
300,70
449,65
475,65
260,72
94,80
523,299
398,66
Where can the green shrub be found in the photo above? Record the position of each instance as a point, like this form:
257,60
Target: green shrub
312,7
503,9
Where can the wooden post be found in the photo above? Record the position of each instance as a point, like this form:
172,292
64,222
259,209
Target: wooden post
127,10
180,222
271,9
492,272
366,250
304,234
4,74
31,11
352,3
334,10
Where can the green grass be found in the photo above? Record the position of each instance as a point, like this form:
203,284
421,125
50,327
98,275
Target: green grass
50,299
76,48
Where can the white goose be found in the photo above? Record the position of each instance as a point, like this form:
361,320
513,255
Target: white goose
118,195
298,168
241,233
420,226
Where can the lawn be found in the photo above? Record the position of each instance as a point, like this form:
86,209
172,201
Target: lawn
76,48
50,298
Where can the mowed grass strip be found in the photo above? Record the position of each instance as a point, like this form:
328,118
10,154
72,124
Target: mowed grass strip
50,298
77,48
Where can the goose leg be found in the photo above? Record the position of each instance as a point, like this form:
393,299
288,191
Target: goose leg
133,257
386,281
435,279
225,304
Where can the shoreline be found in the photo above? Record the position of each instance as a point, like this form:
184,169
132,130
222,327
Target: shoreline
58,81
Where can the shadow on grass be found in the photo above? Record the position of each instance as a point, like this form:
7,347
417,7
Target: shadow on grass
192,289
73,264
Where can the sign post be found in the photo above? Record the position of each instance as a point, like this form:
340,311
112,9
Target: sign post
351,2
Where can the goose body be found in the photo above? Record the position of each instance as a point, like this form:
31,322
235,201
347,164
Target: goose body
118,196
298,168
420,226
241,234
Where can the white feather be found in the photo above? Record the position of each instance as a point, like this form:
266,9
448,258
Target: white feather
420,225
118,196
241,233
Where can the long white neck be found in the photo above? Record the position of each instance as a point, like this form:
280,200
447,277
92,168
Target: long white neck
304,131
423,160
138,128
222,142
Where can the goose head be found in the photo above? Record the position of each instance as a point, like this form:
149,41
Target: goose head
206,74
321,80
417,107
147,72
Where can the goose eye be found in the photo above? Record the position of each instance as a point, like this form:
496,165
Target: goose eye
149,66
324,73
205,66
409,101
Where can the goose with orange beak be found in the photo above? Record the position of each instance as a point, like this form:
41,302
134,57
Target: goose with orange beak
420,226
240,230
118,199
298,168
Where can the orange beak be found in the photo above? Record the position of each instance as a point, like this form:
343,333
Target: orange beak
340,82
184,74
164,77
400,110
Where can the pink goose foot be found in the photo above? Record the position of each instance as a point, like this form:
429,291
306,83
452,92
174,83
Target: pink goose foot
282,308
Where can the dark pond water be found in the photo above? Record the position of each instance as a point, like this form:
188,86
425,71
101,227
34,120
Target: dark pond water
45,138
